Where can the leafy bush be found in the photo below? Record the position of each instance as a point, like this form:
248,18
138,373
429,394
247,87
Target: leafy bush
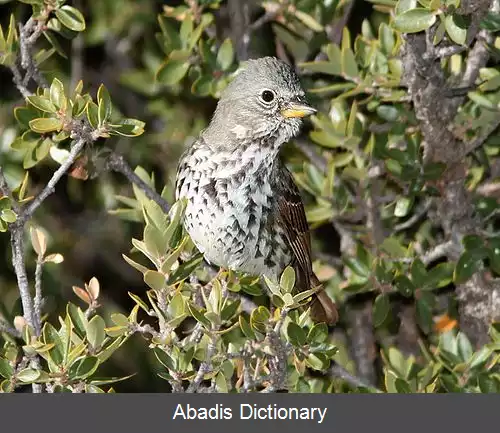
398,171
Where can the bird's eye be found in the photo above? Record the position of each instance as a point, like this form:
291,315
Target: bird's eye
268,96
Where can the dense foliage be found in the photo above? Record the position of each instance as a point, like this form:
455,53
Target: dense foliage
100,284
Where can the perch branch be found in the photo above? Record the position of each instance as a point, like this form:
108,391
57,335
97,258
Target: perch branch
337,370
118,164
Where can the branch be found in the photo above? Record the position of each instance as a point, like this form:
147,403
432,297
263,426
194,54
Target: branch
337,370
13,332
18,261
28,35
38,294
445,249
415,218
479,141
308,150
118,164
362,342
239,18
427,88
205,367
334,32
56,177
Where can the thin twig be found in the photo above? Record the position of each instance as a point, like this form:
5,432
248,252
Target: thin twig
38,294
479,141
308,150
441,250
337,370
415,218
117,163
13,332
18,261
205,367
50,187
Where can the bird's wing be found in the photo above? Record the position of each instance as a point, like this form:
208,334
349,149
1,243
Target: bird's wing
293,219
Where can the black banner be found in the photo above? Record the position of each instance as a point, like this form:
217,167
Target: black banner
252,413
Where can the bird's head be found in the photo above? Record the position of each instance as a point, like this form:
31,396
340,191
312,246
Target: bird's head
265,99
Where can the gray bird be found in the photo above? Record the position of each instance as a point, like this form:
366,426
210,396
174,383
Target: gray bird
244,211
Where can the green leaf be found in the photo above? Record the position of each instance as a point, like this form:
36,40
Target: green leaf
139,302
405,5
127,128
456,28
425,305
318,333
95,332
349,65
57,94
225,55
104,103
296,335
308,20
78,319
185,270
491,22
439,276
357,266
198,315
245,328
259,319
404,285
154,279
28,375
287,280
51,336
403,206
472,242
402,386
164,358
322,67
221,383
494,254
71,18
317,361
488,384
6,370
8,215
84,368
93,114
468,264
173,70
393,247
480,357
381,308
44,125
464,347
414,20
120,319
418,273
43,104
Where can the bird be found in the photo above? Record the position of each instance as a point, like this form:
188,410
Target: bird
244,211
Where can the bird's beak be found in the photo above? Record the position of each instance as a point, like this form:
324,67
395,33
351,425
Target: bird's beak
297,109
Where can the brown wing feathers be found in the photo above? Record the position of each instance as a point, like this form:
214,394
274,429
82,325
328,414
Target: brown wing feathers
293,219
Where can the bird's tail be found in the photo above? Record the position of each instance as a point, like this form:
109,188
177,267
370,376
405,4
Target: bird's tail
323,309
